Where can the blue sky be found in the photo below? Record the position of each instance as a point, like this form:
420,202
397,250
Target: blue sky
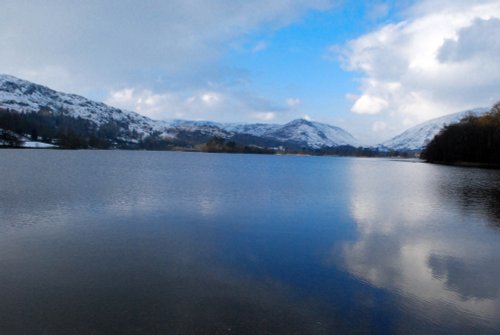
295,62
374,68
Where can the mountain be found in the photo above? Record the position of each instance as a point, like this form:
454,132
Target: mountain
122,127
298,133
25,97
417,137
255,129
310,134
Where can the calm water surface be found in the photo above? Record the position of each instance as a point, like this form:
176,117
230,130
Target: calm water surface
117,242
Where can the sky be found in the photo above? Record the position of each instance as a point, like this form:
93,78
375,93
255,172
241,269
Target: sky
374,68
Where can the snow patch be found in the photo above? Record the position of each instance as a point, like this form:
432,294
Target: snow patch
38,145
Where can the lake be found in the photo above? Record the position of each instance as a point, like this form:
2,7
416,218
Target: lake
124,242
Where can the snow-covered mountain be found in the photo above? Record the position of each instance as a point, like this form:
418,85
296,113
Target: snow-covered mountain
415,138
25,97
299,132
311,134
255,129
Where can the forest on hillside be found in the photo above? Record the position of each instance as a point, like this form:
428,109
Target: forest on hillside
68,132
475,139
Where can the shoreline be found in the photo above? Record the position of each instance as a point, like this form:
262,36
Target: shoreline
467,164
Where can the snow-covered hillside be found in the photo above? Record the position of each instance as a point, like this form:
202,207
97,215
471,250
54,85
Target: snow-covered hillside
298,132
415,138
312,134
255,129
25,97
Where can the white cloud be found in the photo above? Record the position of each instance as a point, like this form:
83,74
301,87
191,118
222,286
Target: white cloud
442,58
265,116
148,103
471,41
211,99
293,102
369,104
107,43
223,105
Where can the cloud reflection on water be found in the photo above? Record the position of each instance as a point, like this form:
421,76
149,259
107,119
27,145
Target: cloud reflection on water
428,241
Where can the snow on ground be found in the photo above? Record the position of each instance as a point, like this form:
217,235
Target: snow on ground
38,145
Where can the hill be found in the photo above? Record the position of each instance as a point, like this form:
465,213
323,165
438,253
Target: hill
72,121
475,139
417,137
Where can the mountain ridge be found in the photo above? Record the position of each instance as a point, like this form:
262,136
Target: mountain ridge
23,96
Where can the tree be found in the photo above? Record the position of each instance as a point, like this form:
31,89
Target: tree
34,134
10,139
474,139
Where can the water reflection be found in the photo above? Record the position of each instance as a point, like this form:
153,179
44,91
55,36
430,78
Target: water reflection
107,244
478,280
137,275
148,243
428,239
475,191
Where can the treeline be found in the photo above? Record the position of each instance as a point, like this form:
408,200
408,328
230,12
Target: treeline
57,128
73,133
9,139
218,144
351,151
475,139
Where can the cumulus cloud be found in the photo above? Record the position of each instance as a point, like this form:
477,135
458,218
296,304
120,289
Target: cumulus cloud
223,105
369,104
147,102
442,58
470,43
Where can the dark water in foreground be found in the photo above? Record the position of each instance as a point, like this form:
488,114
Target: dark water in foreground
116,242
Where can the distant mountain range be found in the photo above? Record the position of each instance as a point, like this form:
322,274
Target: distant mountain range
22,96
